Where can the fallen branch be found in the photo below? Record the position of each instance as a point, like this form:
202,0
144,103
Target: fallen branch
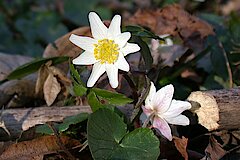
18,120
217,109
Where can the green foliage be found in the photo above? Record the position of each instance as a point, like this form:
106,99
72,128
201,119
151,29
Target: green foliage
26,27
78,85
145,51
33,66
112,97
108,138
99,98
141,32
93,101
44,129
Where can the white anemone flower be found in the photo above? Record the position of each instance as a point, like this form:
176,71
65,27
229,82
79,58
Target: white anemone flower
106,50
162,109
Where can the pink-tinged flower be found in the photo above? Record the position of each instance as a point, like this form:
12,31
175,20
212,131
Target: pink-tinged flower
106,50
163,109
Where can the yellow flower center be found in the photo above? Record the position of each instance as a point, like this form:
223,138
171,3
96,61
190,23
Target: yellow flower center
106,51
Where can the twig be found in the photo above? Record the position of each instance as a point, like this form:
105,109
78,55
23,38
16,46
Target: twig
59,141
84,145
2,125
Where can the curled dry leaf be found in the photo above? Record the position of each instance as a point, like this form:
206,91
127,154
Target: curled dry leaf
51,89
172,20
214,150
47,84
42,76
41,146
181,145
59,73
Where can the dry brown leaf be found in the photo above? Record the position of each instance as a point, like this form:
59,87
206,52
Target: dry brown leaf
172,20
63,47
181,145
214,150
59,73
42,76
4,146
51,89
28,150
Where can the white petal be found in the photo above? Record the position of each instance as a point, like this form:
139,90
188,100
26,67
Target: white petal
98,29
112,73
162,99
97,71
85,58
164,35
115,27
169,41
176,108
179,120
121,63
122,39
85,43
130,48
163,127
151,94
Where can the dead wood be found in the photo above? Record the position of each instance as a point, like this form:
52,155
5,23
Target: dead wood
18,120
217,109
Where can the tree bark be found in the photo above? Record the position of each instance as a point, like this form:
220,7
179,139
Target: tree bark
15,121
217,109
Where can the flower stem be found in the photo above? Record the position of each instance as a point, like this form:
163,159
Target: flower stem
132,85
147,120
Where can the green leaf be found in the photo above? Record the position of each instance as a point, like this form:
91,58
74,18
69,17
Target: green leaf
141,32
108,138
217,57
75,74
79,87
72,120
234,28
44,129
112,97
144,51
33,66
93,101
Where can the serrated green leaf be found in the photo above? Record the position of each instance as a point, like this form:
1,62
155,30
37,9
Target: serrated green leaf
112,97
93,101
108,138
74,74
79,87
33,66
